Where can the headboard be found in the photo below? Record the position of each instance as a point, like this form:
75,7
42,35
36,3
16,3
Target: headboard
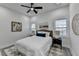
51,32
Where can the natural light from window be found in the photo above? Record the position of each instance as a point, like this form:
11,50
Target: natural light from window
33,27
61,25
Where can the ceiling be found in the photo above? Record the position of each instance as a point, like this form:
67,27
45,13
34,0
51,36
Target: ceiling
46,7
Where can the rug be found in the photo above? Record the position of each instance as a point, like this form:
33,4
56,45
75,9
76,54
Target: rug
54,51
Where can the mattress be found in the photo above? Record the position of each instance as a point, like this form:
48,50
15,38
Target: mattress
34,45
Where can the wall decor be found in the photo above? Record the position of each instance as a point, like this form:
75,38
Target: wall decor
75,24
16,26
43,26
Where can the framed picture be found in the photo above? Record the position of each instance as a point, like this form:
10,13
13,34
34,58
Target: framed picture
43,26
16,26
75,24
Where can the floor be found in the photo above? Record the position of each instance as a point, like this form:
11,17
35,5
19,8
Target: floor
60,52
54,51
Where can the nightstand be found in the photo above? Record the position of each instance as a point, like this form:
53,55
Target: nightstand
57,41
30,35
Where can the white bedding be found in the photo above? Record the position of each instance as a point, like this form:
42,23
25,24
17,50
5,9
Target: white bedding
34,45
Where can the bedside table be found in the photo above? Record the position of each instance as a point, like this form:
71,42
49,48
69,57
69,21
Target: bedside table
57,41
29,35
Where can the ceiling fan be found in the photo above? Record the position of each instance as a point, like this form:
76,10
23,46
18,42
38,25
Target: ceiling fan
31,8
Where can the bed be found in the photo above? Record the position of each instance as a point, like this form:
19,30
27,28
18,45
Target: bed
34,45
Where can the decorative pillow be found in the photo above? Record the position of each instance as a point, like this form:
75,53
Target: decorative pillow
41,34
47,33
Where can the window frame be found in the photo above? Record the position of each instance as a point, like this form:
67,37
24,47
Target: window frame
33,29
61,27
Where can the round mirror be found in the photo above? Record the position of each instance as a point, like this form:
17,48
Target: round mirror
75,24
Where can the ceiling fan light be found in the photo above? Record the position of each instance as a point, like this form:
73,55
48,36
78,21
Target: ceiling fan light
32,9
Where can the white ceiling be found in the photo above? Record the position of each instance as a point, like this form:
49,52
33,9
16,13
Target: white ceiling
46,7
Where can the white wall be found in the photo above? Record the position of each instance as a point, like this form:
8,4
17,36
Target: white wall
50,17
6,36
74,8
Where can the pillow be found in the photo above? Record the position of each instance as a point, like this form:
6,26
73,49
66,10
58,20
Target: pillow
47,33
41,34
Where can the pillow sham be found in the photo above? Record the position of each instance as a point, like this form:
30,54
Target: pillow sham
47,33
41,34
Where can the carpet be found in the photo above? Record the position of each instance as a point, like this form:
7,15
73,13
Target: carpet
54,51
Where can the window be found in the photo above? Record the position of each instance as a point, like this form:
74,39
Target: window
33,27
61,25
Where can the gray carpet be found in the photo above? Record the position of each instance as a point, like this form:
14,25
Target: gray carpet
59,52
67,51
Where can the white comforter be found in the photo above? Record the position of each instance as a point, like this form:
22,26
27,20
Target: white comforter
34,45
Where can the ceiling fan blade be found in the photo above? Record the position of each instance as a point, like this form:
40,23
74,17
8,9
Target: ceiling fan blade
35,11
25,6
38,7
28,10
